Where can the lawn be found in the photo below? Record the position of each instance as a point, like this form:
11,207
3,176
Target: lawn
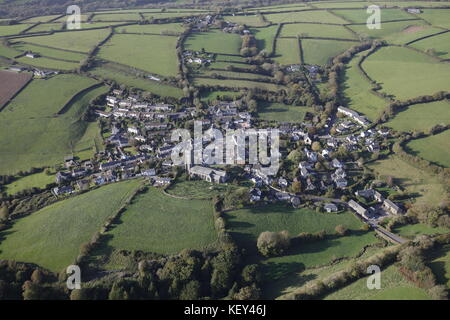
214,41
155,54
422,116
264,37
81,41
281,112
307,16
316,30
137,82
433,148
440,44
441,265
356,89
425,187
393,287
413,230
198,189
287,52
31,135
52,236
405,73
361,16
37,180
152,28
319,52
155,222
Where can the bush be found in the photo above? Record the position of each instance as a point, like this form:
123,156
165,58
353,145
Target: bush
273,243
341,230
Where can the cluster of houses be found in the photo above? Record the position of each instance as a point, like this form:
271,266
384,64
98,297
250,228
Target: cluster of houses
355,116
38,73
197,58
387,207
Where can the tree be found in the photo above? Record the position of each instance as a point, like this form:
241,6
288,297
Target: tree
296,187
316,146
273,243
4,214
341,230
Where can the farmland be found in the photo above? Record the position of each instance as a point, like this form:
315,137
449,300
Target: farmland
198,189
440,45
287,51
433,148
152,28
12,83
214,41
281,112
360,16
320,51
155,54
36,180
264,37
309,16
316,30
158,223
52,236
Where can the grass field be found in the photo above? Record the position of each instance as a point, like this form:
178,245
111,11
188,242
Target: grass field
52,236
81,41
48,52
137,82
8,52
356,89
360,16
214,41
433,148
213,95
421,117
321,51
307,16
158,223
238,84
281,112
393,287
426,188
440,44
287,51
250,20
37,180
40,19
45,27
152,28
441,265
405,73
437,17
238,75
43,62
264,37
155,54
413,230
198,189
13,29
31,136
117,17
316,30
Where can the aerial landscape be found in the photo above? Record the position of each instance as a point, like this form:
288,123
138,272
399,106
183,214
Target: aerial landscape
224,150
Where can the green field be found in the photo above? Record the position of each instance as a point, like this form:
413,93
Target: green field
214,41
441,265
433,148
155,54
287,51
117,17
440,44
437,17
405,73
413,230
238,75
321,51
250,20
13,29
81,41
52,236
316,30
264,37
137,82
31,136
152,28
43,62
360,16
213,95
307,16
48,52
40,19
425,187
45,27
238,84
158,223
281,112
421,117
357,92
8,52
198,189
37,180
393,287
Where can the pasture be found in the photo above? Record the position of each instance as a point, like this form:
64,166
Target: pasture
437,17
116,17
264,37
287,51
198,189
410,231
319,52
168,28
306,16
405,73
421,117
43,62
252,20
316,30
48,52
238,84
45,27
433,148
360,16
214,41
13,29
36,180
52,236
440,264
281,112
439,45
155,54
155,222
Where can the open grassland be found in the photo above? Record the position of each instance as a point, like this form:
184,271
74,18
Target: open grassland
356,90
49,52
155,222
137,82
422,116
281,112
37,180
81,41
40,19
440,44
198,189
238,75
399,32
316,30
12,83
251,20
441,265
8,52
45,27
238,84
407,4
344,4
360,16
264,37
287,52
43,62
425,187
155,54
247,224
306,16
52,236
283,7
219,95
168,15
152,28
31,134
437,17
214,41
393,287
117,17
412,230
321,51
405,73
13,29
433,148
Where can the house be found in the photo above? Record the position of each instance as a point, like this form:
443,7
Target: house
354,115
255,195
330,207
62,190
341,182
133,130
378,196
282,196
82,185
109,165
31,55
337,164
311,155
413,10
61,177
283,183
149,173
367,194
117,92
359,209
111,101
392,207
76,173
208,174
374,147
296,202
160,181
